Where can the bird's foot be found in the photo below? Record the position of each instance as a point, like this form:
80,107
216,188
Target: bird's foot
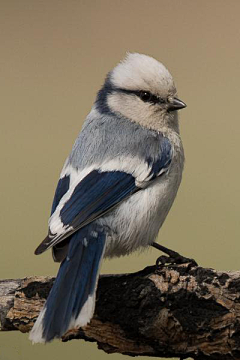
172,258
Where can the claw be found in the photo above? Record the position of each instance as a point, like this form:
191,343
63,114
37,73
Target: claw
172,258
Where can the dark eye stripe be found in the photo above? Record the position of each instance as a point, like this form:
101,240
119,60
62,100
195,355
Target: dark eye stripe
145,96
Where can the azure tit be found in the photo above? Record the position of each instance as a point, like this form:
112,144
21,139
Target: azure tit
116,187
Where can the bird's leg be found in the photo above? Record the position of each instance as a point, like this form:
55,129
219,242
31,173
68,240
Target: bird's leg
172,258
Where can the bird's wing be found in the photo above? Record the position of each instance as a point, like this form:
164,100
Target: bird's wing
80,201
93,196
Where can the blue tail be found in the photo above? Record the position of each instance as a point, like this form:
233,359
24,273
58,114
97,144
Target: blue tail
72,298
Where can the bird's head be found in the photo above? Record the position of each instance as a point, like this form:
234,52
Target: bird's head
141,89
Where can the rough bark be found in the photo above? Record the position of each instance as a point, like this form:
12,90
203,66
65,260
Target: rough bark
176,311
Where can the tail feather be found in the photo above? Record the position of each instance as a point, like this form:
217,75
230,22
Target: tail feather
71,301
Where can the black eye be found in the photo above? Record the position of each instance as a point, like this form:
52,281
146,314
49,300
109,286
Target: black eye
145,96
148,97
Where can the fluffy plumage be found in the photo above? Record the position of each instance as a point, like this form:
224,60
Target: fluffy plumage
115,189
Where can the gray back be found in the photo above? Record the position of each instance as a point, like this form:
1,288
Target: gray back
107,137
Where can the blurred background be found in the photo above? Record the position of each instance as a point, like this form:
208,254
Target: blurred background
54,58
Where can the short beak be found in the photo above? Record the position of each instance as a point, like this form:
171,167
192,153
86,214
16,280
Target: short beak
175,104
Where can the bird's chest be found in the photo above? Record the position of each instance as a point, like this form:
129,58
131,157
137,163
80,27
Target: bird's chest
136,222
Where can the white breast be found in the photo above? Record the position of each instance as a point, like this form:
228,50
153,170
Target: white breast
136,222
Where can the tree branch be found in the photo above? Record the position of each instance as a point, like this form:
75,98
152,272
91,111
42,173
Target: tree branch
175,311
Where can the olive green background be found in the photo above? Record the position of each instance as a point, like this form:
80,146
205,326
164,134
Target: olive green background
54,56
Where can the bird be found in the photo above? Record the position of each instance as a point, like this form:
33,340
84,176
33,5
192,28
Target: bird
115,189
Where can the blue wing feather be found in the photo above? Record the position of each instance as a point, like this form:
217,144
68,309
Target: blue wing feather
62,188
95,194
162,162
92,197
